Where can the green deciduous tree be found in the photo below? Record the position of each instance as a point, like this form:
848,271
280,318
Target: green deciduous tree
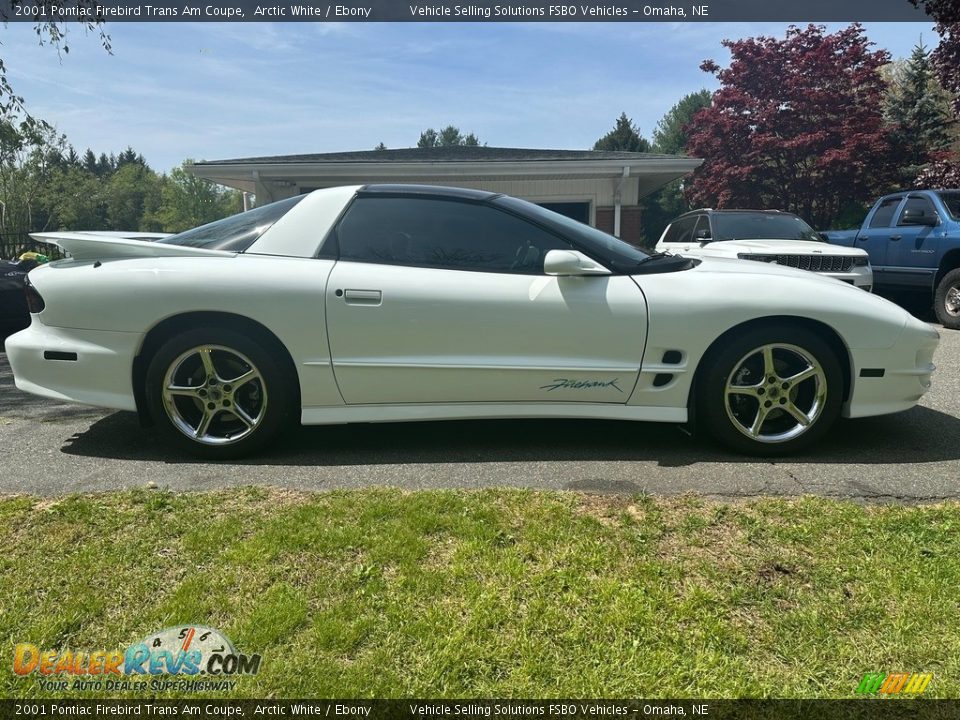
27,152
188,201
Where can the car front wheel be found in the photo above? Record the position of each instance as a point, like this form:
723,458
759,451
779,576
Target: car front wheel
771,391
217,393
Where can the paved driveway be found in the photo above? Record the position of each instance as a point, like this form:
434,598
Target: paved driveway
47,448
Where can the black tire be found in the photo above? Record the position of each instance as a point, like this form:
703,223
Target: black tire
731,416
267,398
946,300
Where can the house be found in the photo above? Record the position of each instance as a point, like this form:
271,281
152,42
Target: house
601,188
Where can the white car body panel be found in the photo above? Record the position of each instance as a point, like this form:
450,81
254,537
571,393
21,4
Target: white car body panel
405,343
300,232
502,338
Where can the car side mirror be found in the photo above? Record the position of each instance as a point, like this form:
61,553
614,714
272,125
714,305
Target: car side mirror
917,217
571,262
702,236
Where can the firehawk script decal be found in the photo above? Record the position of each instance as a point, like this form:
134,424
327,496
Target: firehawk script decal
564,384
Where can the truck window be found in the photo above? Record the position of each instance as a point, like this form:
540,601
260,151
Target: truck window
917,202
884,213
951,201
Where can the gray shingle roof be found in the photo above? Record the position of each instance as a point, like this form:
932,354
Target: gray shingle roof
477,153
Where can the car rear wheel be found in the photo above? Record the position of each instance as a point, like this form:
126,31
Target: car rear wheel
771,391
946,300
217,393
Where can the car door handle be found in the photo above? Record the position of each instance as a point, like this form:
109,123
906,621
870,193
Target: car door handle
896,237
363,297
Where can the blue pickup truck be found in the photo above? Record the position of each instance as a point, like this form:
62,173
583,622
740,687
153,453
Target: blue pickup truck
913,239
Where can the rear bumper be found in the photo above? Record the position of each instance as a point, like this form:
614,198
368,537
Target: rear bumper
101,374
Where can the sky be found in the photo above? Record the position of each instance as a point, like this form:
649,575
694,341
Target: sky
213,91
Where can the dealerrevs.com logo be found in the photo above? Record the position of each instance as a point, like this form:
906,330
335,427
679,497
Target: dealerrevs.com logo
184,658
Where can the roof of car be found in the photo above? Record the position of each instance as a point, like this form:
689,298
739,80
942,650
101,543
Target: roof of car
434,191
738,210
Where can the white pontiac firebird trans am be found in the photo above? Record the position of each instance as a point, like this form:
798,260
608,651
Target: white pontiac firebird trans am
386,303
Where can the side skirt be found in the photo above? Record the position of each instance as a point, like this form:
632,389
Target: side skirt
344,414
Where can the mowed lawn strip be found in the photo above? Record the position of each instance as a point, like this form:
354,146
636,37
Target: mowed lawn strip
494,593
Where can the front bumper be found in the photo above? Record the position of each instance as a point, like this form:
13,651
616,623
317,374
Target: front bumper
101,374
893,379
861,277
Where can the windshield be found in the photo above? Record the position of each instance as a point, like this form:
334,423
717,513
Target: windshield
237,232
606,249
951,200
762,226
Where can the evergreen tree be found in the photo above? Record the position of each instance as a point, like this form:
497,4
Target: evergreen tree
624,136
919,110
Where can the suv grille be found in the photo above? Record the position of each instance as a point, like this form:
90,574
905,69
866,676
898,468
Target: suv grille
813,263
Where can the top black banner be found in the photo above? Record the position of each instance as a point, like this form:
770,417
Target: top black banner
466,11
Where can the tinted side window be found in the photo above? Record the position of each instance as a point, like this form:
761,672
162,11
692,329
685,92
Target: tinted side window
237,232
702,229
681,230
447,234
917,203
884,214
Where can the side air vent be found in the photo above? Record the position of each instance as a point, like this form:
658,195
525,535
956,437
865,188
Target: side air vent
662,379
58,355
672,357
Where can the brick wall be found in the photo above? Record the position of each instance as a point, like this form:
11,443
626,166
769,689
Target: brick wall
631,228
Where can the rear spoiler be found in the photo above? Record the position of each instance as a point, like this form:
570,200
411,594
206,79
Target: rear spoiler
92,246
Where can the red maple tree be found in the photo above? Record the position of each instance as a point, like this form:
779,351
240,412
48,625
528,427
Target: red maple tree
796,125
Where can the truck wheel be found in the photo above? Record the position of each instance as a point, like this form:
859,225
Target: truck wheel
946,300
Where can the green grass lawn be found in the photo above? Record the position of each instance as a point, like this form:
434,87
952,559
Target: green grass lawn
383,593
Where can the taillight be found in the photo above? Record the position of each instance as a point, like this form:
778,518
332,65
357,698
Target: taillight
35,303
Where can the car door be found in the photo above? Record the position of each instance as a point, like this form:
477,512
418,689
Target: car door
912,252
441,300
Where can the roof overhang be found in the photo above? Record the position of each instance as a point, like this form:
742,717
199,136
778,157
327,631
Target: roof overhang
654,171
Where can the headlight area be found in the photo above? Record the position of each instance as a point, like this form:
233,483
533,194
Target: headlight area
861,261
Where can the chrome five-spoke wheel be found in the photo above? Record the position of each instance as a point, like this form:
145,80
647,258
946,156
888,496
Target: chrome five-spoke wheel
220,393
772,389
214,395
775,393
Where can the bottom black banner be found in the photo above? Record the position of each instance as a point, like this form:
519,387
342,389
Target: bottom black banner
472,709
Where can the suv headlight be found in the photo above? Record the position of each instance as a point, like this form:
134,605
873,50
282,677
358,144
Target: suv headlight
861,261
760,258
